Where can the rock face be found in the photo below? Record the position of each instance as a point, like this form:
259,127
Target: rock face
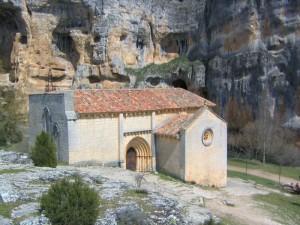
243,46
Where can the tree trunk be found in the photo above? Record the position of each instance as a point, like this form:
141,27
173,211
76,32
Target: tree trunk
264,153
279,173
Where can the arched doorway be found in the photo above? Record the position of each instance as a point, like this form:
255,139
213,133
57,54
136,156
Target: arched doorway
131,159
138,155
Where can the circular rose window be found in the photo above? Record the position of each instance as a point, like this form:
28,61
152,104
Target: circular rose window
207,137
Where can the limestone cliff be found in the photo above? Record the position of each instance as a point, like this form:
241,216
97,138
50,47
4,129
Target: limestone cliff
238,47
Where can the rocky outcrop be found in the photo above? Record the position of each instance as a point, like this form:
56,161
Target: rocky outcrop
242,46
101,38
22,185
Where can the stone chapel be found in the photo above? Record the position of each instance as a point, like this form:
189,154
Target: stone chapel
171,130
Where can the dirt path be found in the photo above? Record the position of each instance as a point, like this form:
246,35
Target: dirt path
263,174
200,200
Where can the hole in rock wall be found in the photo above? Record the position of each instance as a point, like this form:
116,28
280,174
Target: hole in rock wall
23,39
94,79
10,24
140,43
153,81
75,18
65,44
174,43
179,84
123,37
97,39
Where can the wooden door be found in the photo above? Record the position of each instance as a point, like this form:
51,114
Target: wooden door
131,159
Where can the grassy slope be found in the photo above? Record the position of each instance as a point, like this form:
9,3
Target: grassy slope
292,172
284,207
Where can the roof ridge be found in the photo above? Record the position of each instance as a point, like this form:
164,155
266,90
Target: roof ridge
189,122
134,100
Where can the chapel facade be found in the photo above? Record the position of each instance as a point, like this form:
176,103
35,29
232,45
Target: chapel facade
170,130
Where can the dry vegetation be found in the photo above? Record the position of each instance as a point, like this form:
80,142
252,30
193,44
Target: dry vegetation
262,138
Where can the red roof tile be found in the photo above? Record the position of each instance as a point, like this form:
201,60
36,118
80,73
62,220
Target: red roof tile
173,125
134,100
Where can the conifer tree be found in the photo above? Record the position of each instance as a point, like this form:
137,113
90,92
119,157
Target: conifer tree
44,151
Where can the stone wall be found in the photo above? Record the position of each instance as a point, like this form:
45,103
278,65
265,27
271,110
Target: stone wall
137,122
56,105
206,165
94,138
170,156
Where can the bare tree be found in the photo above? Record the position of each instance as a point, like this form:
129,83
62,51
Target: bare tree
264,125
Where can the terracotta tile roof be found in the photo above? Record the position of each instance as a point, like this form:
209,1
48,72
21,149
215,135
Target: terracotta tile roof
134,100
189,122
173,125
176,123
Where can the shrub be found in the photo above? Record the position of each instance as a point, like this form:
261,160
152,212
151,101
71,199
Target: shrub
71,203
139,177
10,117
44,151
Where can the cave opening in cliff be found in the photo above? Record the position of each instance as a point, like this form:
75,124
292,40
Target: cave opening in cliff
23,39
140,43
97,39
175,43
153,81
123,37
179,84
8,29
66,45
94,79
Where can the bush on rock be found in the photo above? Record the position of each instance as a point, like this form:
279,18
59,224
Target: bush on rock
71,203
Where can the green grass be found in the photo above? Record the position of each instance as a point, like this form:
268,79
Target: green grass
292,172
6,208
168,177
163,69
257,180
229,220
18,220
285,209
11,171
